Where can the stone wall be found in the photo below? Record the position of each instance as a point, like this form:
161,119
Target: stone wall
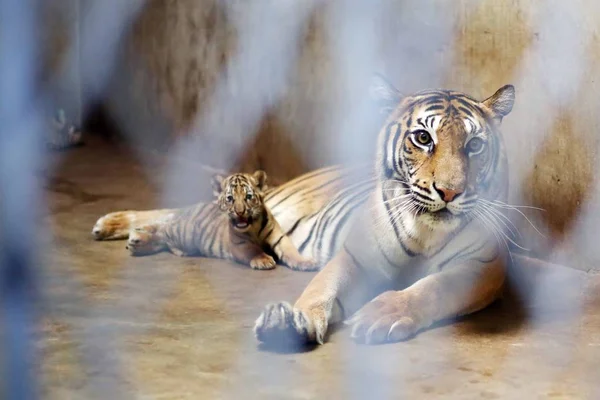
180,77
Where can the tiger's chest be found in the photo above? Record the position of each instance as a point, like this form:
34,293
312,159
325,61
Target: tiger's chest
426,235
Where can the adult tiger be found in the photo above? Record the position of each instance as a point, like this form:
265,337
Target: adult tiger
419,244
418,231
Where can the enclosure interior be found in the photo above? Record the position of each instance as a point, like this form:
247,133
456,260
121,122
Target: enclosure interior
168,88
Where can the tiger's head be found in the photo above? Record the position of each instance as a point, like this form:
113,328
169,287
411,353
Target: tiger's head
241,197
440,151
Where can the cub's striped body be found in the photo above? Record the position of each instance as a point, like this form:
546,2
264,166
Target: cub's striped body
313,210
238,227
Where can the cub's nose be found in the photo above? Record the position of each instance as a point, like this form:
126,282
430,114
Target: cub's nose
447,194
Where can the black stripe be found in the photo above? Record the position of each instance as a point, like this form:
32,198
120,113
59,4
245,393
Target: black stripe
347,214
421,195
296,181
388,171
463,102
214,225
395,156
353,258
202,218
264,221
435,107
426,190
429,119
466,111
312,190
317,225
212,222
277,242
293,228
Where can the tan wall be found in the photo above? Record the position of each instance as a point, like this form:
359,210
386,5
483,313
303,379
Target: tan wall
178,48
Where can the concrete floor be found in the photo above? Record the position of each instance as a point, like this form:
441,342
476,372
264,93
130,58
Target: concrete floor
164,327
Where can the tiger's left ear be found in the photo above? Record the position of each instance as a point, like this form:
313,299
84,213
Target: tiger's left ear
384,93
216,181
261,179
501,102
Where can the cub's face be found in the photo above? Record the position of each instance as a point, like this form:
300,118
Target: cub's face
241,197
440,151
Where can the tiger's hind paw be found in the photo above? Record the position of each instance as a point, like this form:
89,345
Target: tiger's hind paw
112,226
143,242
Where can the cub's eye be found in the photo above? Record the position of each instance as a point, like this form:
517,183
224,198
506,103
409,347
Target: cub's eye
423,138
475,146
230,198
249,196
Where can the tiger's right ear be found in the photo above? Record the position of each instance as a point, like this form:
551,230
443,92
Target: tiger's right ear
261,179
384,93
216,182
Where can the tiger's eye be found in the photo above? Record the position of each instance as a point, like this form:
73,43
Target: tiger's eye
230,198
475,145
423,137
249,196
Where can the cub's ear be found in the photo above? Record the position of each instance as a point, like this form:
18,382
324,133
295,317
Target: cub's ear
216,182
384,93
501,102
261,179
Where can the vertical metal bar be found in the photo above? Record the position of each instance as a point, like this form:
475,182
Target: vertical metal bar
19,129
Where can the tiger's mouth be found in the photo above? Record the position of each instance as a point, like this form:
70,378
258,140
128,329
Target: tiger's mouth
241,222
444,214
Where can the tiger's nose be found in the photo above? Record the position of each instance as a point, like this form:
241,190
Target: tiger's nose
447,194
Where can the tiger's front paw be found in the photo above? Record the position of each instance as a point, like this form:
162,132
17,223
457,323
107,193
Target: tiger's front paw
387,318
112,226
280,323
262,261
302,264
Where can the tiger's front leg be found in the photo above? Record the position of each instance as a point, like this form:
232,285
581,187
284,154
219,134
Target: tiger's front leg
118,225
399,315
335,290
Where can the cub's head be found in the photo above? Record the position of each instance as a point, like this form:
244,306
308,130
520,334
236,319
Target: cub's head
440,151
241,197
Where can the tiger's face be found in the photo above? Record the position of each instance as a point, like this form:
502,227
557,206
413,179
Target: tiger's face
440,151
241,197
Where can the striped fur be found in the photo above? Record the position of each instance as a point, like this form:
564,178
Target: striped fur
418,250
405,244
238,227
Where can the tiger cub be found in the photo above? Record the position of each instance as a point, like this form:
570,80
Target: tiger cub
237,226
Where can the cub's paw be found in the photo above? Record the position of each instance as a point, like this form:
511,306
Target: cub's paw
178,252
281,324
262,261
303,264
112,226
142,242
387,318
